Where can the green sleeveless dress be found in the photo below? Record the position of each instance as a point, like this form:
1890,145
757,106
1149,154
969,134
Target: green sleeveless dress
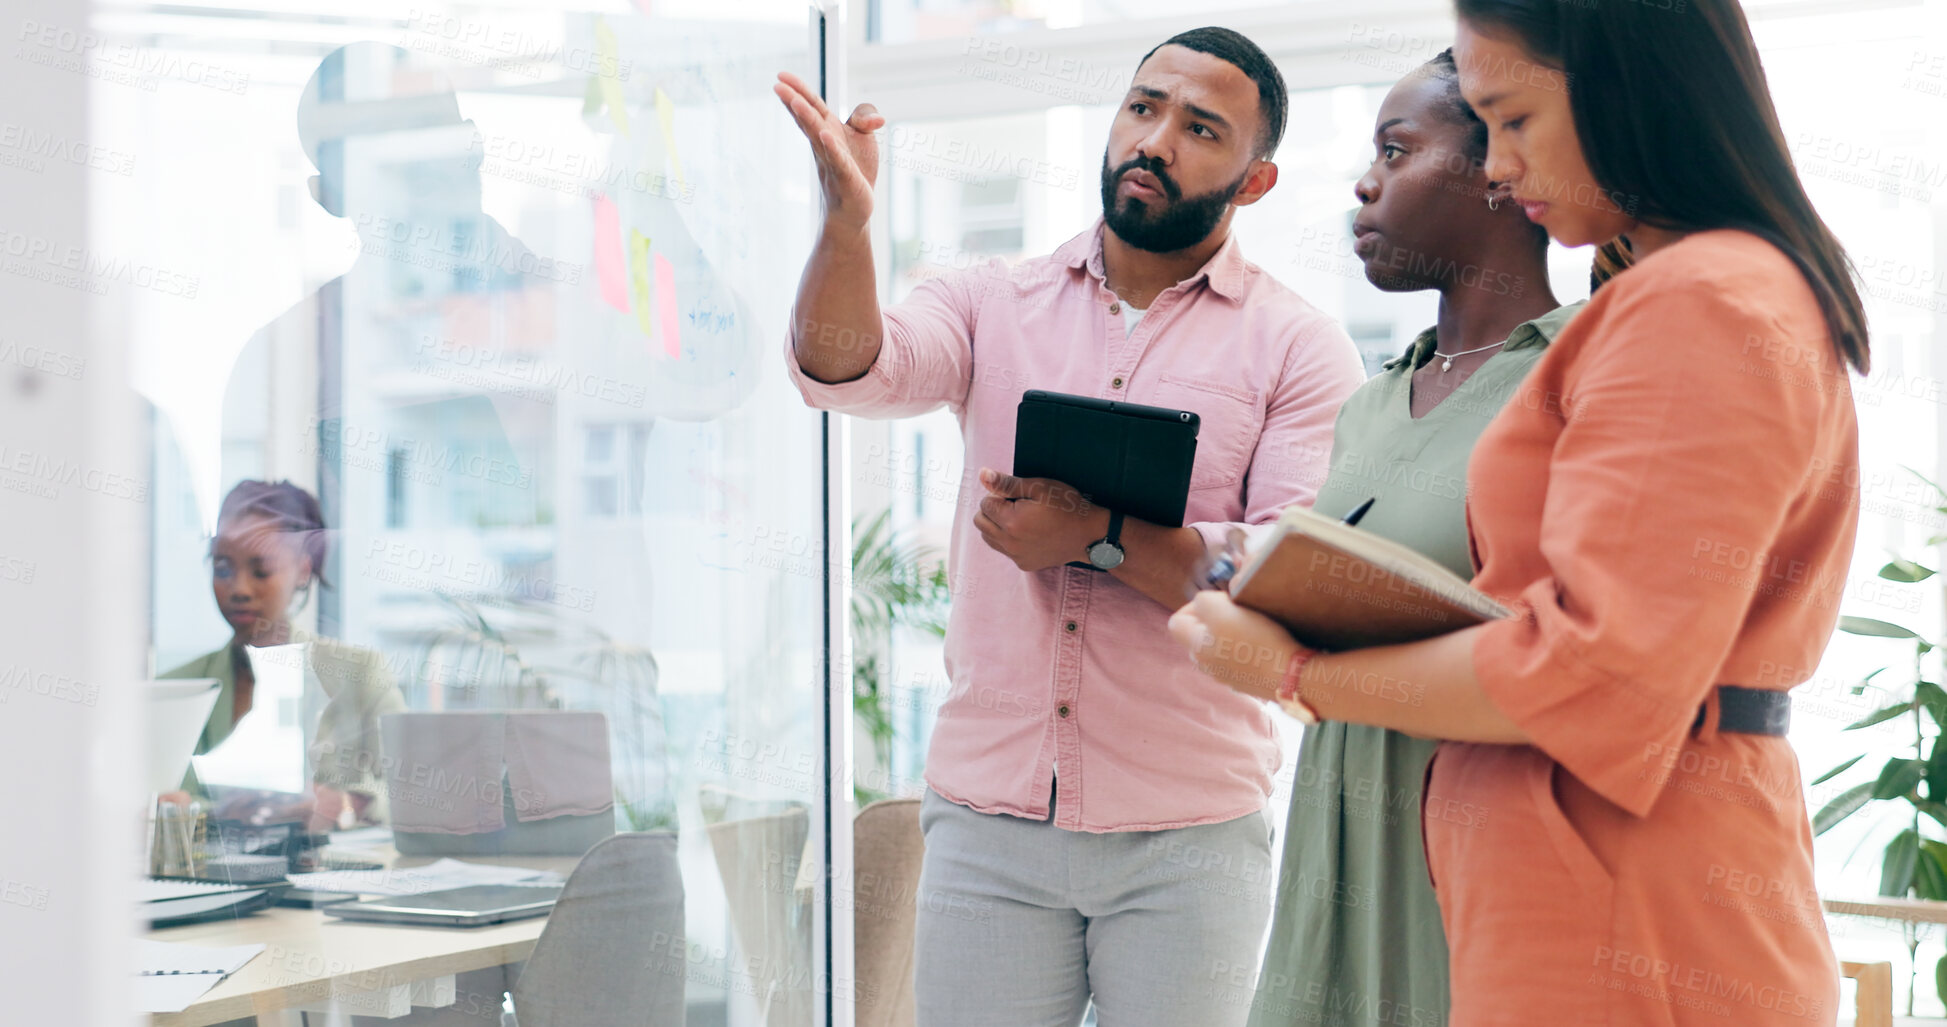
1356,937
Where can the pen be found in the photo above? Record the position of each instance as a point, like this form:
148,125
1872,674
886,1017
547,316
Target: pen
1224,566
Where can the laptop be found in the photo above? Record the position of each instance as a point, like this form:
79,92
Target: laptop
472,906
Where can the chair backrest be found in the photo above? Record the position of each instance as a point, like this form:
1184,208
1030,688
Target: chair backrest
887,848
450,769
1873,1003
759,859
613,952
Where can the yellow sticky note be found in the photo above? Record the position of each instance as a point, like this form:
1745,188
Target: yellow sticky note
639,269
608,59
666,113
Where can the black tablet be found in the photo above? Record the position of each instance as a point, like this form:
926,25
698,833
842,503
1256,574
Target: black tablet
1124,456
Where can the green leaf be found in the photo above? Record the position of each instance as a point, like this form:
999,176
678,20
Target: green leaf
1842,807
1930,873
1930,695
1940,975
1898,777
1896,871
1933,808
1929,880
1840,769
1941,492
1881,716
1937,770
1875,628
1905,570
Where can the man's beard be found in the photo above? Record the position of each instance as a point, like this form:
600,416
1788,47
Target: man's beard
1182,224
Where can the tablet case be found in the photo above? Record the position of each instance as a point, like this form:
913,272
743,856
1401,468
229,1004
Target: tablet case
1124,456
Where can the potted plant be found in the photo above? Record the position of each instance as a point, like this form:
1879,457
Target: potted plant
1914,782
473,663
894,582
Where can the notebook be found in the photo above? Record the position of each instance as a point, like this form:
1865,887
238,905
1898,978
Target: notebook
169,901
1336,587
170,976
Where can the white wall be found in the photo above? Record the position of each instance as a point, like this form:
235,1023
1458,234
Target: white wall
72,559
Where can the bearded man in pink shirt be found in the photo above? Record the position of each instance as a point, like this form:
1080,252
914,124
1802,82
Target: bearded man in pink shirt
1095,823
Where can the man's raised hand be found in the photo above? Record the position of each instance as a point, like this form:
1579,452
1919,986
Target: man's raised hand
846,153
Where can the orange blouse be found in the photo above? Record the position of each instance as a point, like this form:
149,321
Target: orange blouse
1668,503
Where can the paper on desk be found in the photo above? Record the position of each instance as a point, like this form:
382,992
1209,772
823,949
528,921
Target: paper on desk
172,994
170,976
446,873
168,957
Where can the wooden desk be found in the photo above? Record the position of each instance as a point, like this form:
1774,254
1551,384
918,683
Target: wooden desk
311,959
1916,911
1876,979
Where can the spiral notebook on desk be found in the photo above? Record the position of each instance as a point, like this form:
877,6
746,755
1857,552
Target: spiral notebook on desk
170,901
1336,587
169,977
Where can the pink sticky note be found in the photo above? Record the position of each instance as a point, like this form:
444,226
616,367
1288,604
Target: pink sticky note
666,293
609,266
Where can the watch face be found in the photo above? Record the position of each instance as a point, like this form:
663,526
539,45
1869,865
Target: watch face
1105,555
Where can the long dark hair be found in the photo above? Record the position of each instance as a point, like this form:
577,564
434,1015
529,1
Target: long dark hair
1673,112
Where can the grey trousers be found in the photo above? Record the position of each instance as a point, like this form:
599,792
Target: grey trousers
1021,922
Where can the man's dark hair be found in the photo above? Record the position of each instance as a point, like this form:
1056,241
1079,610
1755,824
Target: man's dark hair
1230,45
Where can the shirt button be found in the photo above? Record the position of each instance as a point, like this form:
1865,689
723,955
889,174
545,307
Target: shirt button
1115,383
1063,709
1115,308
1071,626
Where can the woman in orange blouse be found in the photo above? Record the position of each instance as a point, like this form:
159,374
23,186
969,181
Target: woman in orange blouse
1615,826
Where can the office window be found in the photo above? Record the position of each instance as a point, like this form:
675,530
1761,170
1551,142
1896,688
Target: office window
602,473
908,21
500,290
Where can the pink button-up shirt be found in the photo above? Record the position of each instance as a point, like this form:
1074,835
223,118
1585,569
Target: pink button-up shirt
1069,664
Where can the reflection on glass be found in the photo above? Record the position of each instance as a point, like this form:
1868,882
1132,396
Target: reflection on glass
312,752
525,358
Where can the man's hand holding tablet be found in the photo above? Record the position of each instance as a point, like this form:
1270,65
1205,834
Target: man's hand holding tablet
1037,522
1084,465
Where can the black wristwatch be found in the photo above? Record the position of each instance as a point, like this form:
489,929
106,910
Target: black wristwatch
1105,553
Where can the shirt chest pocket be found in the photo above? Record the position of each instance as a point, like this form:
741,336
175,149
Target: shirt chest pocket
1230,415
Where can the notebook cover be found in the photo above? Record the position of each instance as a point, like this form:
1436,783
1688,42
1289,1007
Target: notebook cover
1330,599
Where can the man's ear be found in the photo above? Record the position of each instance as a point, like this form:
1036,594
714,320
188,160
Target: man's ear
1258,181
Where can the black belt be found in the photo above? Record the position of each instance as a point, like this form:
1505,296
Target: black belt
1750,711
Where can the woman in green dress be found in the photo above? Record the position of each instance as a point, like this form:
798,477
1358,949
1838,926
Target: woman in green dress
266,560
1356,938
